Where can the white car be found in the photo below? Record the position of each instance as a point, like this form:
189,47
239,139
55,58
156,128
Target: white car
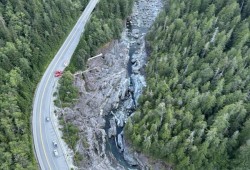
55,153
66,63
47,119
54,144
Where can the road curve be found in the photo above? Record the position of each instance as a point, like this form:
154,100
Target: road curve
43,132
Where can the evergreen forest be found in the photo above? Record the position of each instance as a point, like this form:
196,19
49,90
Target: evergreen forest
106,24
195,111
31,32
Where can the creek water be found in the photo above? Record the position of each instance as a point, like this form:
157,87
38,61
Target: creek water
143,16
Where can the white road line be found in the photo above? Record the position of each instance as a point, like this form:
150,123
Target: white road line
43,97
49,72
66,47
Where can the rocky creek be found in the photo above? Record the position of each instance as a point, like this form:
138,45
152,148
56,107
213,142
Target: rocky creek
144,13
109,91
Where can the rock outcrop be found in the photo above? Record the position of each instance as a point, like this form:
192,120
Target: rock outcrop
120,141
101,88
112,130
108,92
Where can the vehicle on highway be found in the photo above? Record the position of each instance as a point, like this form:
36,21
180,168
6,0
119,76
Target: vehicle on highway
43,131
55,153
66,63
54,144
47,119
58,73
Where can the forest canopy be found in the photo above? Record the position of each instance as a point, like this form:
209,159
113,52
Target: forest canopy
31,32
105,25
30,35
195,110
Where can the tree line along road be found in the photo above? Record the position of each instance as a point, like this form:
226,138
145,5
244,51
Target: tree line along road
43,131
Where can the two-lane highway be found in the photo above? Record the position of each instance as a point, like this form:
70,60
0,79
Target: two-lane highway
43,132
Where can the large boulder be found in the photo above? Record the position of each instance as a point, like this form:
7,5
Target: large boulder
112,130
129,103
139,83
124,85
120,141
129,158
120,118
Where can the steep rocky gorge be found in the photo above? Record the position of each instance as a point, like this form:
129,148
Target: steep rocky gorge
109,91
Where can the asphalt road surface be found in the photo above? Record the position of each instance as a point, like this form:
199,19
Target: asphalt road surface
43,132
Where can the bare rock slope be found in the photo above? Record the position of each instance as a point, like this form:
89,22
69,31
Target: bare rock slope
101,87
106,86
